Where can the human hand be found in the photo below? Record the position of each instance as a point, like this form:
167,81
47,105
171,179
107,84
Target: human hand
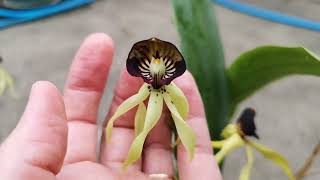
56,137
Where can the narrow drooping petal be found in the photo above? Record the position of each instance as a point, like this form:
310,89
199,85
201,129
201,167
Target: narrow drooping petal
218,144
179,99
2,82
274,157
6,82
126,106
232,143
153,114
245,172
139,118
185,132
157,62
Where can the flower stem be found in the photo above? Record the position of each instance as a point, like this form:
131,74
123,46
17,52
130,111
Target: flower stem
303,171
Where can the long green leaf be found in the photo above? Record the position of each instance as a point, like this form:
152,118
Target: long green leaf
260,66
203,52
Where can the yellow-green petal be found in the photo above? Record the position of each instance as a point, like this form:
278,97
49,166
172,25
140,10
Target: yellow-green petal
218,144
6,81
2,82
126,106
139,118
179,99
232,143
229,130
245,172
185,132
154,111
275,157
10,83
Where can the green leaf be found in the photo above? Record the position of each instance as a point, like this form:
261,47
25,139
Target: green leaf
256,68
203,52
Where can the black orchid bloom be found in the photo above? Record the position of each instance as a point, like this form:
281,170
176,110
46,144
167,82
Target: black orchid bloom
246,123
157,62
238,134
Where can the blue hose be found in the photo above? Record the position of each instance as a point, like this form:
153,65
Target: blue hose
12,17
269,14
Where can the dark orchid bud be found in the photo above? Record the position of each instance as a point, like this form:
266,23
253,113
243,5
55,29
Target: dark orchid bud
246,123
157,62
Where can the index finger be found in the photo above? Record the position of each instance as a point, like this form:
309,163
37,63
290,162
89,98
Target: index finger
83,91
203,165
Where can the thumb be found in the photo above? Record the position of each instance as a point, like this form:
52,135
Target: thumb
37,146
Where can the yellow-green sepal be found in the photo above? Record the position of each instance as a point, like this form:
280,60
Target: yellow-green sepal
139,118
229,130
126,106
232,143
6,81
179,99
185,132
274,157
245,172
218,144
2,82
153,115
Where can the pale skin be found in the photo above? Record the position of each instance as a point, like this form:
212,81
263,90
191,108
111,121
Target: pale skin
56,137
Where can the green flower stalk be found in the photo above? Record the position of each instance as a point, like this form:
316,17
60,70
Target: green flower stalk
6,81
237,135
158,63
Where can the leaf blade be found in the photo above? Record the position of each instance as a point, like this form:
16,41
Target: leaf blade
256,68
202,49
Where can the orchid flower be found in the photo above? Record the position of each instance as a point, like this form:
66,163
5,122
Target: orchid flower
6,81
237,135
157,62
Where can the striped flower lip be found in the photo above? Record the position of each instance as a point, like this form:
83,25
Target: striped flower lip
157,62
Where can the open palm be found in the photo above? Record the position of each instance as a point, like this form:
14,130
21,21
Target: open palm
56,137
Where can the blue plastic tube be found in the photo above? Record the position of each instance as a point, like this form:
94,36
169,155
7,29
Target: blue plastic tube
269,14
12,17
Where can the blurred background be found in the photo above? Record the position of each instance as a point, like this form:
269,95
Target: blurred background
288,113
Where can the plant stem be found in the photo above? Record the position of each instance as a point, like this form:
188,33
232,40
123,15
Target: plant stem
303,171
